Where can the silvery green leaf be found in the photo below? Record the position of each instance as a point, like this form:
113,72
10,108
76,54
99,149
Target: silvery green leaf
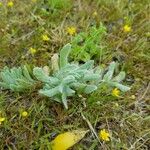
120,86
61,87
69,91
55,62
78,85
109,74
51,92
48,86
100,71
16,88
90,77
4,85
88,65
64,55
68,79
120,77
13,73
16,79
70,67
66,70
26,74
90,88
40,75
6,76
46,70
64,99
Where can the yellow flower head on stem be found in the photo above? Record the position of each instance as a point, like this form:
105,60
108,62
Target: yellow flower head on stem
2,119
45,37
116,92
71,30
116,105
24,114
104,135
10,4
1,4
95,13
32,50
148,34
133,97
127,28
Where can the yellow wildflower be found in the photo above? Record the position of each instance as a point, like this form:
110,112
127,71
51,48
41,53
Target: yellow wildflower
133,97
95,13
45,37
1,4
10,4
104,135
32,50
24,114
2,119
116,105
148,34
127,28
116,92
71,30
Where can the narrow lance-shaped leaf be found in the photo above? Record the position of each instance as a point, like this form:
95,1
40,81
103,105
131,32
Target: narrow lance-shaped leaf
64,55
110,72
42,76
51,92
88,65
119,77
119,86
55,62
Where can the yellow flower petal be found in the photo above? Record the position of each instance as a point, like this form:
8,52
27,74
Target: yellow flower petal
45,37
104,135
71,30
116,105
133,97
32,50
127,28
24,114
66,140
95,13
116,92
2,119
10,4
1,4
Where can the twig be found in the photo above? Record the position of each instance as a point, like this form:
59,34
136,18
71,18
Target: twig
133,145
144,92
23,37
91,128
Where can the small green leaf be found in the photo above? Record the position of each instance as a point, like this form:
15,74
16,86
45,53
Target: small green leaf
51,92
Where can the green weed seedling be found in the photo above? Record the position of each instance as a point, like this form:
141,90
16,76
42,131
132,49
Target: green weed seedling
85,45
